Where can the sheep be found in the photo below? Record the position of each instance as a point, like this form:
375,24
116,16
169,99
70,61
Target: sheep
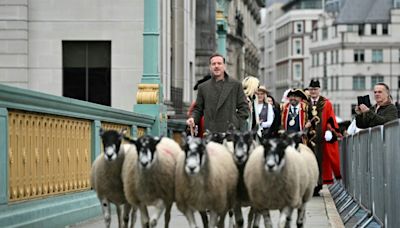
152,179
243,145
106,179
206,178
278,176
240,145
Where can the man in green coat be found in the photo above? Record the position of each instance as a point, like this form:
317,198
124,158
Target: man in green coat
221,100
383,111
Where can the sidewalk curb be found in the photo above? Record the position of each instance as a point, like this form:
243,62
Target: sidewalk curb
333,216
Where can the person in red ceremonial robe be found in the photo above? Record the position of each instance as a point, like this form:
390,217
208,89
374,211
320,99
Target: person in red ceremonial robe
294,112
322,121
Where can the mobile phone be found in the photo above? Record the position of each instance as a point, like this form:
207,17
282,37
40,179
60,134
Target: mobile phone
364,100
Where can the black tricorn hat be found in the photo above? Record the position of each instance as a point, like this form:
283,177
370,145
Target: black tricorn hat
314,84
297,93
205,78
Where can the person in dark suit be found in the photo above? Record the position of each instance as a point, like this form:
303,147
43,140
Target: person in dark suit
220,100
276,123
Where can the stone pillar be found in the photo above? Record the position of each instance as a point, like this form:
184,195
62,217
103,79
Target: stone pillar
178,56
149,96
205,35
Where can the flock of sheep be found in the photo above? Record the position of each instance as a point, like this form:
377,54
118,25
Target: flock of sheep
215,176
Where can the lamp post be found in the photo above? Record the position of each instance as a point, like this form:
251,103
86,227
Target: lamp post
150,96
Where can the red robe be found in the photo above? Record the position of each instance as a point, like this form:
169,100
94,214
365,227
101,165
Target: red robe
328,150
302,115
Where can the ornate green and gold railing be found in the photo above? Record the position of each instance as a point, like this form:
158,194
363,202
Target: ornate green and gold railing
47,145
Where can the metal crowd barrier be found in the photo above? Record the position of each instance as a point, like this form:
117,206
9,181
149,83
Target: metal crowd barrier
369,193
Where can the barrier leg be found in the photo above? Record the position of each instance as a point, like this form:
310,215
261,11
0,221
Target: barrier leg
341,198
367,222
348,203
347,217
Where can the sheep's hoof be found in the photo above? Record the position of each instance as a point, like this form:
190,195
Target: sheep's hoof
299,225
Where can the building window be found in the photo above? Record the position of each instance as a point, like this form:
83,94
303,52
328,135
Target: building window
361,30
332,58
350,28
359,82
297,47
359,56
336,108
335,33
324,33
337,83
312,60
385,29
297,71
325,83
398,82
396,3
298,27
337,56
87,71
373,29
375,79
317,58
377,56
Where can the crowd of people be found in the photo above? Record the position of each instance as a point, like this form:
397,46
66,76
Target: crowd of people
223,101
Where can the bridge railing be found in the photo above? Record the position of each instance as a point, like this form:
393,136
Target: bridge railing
47,145
370,168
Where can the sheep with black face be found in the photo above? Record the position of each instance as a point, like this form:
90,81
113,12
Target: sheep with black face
206,179
106,177
278,176
152,180
243,144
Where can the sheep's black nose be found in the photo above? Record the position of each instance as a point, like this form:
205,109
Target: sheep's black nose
270,166
144,163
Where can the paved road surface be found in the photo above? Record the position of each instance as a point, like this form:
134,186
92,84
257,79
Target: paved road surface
320,212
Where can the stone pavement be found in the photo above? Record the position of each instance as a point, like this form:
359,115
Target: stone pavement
320,212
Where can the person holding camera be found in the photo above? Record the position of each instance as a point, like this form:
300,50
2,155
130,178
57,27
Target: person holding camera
383,111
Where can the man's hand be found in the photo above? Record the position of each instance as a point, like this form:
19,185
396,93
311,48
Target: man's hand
308,124
190,122
357,109
363,108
